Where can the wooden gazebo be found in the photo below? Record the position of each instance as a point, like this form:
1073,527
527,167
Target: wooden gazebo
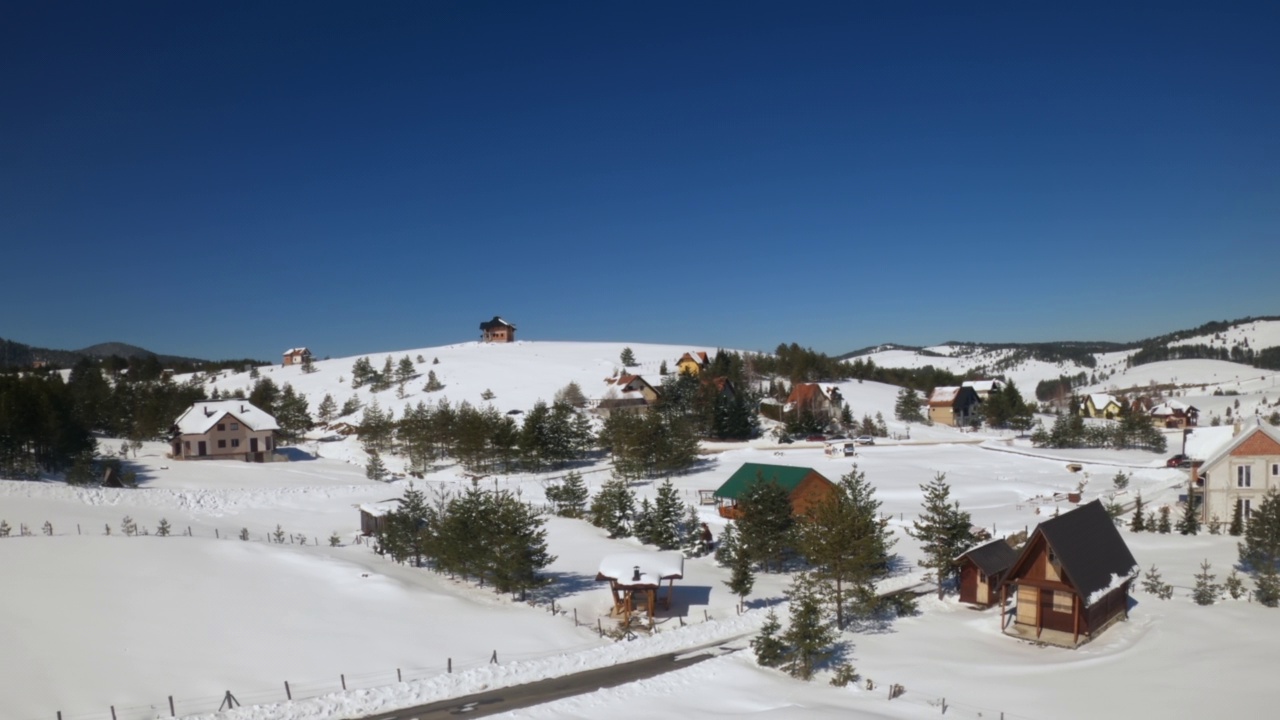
635,578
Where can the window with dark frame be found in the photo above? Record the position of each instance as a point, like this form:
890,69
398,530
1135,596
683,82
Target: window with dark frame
221,427
222,443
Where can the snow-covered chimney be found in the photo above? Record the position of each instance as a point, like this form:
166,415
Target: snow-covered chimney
1236,427
635,575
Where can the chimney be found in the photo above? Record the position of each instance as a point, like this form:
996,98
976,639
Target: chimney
207,412
242,409
1236,427
635,575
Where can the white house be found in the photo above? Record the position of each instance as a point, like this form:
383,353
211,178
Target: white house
223,429
1241,472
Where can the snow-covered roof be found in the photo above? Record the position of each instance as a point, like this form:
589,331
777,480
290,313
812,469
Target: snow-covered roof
1248,430
1203,442
653,567
945,395
984,386
379,509
202,416
297,351
1101,400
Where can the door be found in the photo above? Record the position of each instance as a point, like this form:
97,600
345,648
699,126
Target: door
1028,605
253,445
201,448
984,589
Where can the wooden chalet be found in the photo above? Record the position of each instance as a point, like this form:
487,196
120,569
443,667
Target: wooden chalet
497,330
627,392
954,406
1071,580
806,487
981,570
635,578
296,356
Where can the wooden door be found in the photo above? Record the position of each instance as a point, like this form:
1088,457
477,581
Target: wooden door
1028,604
201,448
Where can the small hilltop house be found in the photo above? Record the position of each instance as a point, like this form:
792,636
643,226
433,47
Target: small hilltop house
692,363
1071,580
296,356
805,487
497,330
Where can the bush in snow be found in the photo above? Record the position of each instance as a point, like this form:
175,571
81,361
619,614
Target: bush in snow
244,533
1234,585
1206,591
334,539
1153,584
845,674
278,535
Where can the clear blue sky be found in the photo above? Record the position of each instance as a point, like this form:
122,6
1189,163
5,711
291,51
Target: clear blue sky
224,179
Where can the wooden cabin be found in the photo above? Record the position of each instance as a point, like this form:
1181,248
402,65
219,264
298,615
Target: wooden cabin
981,570
1071,580
296,356
806,487
497,330
373,516
635,578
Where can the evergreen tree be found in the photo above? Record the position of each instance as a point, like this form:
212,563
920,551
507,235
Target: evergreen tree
644,526
1138,523
405,370
433,383
1261,546
1206,591
769,649
376,428
308,366
571,395
487,395
1156,585
741,578
265,395
846,542
727,548
627,358
1236,528
1234,585
518,543
163,529
328,409
350,406
907,406
1189,523
1121,480
668,515
943,529
691,533
1266,586
809,638
362,373
568,498
292,415
765,525
375,469
1164,524
614,507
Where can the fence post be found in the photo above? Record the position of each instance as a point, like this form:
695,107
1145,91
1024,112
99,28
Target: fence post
494,660
59,715
575,617
344,680
450,665
944,706
216,536
77,528
113,712
599,627
398,678
172,713
287,692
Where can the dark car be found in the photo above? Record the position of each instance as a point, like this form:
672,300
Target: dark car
1178,461
785,440
816,437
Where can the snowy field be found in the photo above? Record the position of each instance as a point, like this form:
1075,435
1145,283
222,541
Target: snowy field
97,620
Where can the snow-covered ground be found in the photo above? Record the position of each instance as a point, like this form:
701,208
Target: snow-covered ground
94,621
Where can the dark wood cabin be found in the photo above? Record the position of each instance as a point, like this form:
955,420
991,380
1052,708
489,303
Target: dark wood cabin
1071,580
981,570
805,487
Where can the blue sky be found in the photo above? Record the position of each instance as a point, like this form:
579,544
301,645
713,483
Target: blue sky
232,179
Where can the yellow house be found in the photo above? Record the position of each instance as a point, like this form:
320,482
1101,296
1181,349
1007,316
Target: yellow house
1100,405
691,363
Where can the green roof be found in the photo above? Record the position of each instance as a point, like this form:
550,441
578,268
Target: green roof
788,476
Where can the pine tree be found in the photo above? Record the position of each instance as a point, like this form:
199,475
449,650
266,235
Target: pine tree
668,514
691,542
1234,585
128,526
727,548
350,406
1164,525
907,406
571,395
662,370
769,649
765,524
1138,523
1156,585
328,409
335,540
433,383
5,529
518,542
1266,586
162,529
361,373
809,638
627,358
1236,528
487,395
569,498
645,523
1189,523
1261,546
405,370
1121,480
943,529
278,536
375,469
1206,591
845,541
292,415
308,367
244,534
614,507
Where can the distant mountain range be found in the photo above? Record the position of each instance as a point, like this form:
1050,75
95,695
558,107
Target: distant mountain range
15,354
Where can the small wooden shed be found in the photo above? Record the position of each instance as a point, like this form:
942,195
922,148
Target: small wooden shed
806,487
1071,580
373,516
634,580
981,570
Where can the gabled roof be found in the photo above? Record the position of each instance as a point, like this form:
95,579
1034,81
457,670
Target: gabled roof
1172,407
297,351
948,396
807,394
1238,440
1102,400
1093,555
202,416
991,558
983,385
700,359
496,323
788,476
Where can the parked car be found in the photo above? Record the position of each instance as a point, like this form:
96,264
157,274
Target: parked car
1179,461
786,440
816,437
865,440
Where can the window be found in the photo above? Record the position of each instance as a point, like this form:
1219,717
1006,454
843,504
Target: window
222,443
235,442
1061,601
221,427
1246,507
268,443
235,426
1244,476
1275,469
